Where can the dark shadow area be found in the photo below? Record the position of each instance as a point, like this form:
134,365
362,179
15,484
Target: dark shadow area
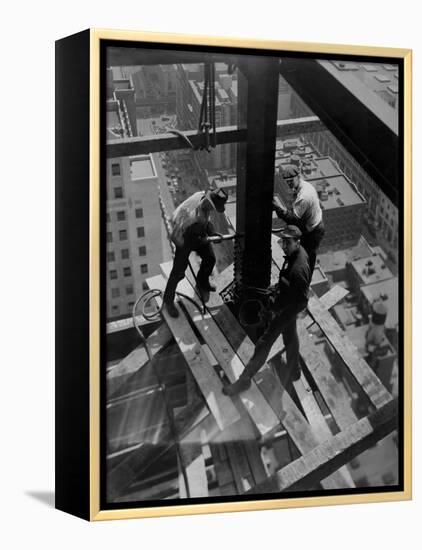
45,497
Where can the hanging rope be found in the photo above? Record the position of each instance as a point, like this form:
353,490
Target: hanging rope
206,123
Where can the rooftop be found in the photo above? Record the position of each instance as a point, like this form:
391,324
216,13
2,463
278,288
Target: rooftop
323,167
337,191
318,275
371,270
375,76
142,167
334,261
389,291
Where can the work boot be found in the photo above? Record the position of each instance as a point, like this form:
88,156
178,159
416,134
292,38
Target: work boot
207,286
171,309
242,384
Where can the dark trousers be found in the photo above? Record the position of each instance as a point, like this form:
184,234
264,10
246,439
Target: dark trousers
180,263
311,241
283,323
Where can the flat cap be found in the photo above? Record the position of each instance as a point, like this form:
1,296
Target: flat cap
289,171
291,232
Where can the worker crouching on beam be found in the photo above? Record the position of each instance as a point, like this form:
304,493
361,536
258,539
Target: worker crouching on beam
191,229
290,297
306,211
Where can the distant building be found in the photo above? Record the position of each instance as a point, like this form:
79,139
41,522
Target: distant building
155,89
334,263
381,358
120,106
134,231
134,224
381,80
319,284
388,292
366,271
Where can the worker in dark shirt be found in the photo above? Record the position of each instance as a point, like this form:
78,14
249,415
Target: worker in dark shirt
306,212
191,227
290,297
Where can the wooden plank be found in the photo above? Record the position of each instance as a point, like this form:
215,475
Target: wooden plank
311,409
328,300
317,420
228,490
256,464
223,472
223,279
118,374
194,465
240,467
332,391
334,452
252,399
294,423
349,354
207,379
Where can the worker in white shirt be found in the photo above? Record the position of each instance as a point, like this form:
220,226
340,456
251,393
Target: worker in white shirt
305,212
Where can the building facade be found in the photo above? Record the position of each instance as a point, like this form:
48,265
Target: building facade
134,227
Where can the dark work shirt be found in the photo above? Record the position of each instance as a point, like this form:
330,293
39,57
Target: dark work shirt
294,280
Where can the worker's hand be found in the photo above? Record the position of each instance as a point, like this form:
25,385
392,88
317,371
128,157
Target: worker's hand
278,209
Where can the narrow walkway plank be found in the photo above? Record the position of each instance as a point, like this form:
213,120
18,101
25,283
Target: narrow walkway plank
194,466
332,391
256,464
349,354
207,379
328,300
252,399
316,419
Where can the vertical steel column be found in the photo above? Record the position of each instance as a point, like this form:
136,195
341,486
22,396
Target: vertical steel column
257,112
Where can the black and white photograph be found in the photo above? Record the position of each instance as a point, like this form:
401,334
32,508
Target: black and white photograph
252,229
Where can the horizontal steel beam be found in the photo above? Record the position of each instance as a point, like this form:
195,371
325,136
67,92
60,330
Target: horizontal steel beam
227,134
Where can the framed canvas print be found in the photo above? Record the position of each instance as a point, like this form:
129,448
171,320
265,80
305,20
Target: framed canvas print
233,274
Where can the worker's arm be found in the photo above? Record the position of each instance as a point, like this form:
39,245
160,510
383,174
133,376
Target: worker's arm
295,215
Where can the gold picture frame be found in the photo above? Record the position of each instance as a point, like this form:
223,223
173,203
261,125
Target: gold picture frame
80,474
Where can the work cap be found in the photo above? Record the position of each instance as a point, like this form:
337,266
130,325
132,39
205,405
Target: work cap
219,198
289,171
291,232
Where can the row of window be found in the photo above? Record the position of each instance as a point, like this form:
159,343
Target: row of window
127,271
124,253
116,309
121,215
115,292
140,233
